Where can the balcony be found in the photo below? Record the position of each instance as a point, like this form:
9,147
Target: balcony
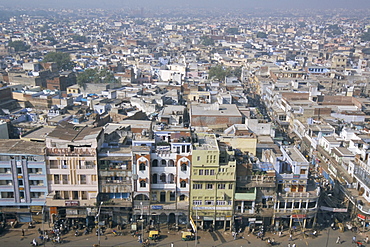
69,152
362,175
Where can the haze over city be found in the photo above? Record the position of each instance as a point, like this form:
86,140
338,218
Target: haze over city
231,4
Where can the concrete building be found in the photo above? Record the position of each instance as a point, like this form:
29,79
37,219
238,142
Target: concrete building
213,176
72,167
23,182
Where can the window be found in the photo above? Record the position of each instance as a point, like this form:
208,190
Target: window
19,170
197,186
21,194
197,202
65,179
221,186
20,182
142,166
142,184
82,179
74,195
155,163
220,203
7,194
154,196
171,178
56,179
230,186
163,163
184,167
200,172
212,172
209,186
172,196
183,184
198,158
154,178
163,178
206,172
208,202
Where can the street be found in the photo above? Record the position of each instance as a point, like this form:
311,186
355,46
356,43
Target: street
326,238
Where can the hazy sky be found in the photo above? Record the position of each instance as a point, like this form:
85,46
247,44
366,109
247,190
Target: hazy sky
239,4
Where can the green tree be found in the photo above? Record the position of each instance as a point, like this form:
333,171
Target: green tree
95,76
262,35
219,72
18,45
207,41
79,38
63,60
232,30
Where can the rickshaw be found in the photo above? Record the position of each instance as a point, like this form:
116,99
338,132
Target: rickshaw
187,236
153,235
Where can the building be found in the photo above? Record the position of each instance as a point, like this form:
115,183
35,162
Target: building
23,181
72,167
212,179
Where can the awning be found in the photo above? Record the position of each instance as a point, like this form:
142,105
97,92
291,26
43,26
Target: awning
246,196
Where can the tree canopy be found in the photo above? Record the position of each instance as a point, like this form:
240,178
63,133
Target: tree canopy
63,60
207,41
19,45
95,76
79,38
219,72
262,35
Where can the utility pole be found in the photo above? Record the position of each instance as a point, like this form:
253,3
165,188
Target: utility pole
98,219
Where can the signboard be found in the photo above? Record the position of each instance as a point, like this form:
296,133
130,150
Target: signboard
157,207
340,210
53,210
72,203
296,175
35,209
361,216
252,219
298,216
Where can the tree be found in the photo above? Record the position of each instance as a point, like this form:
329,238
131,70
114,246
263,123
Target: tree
95,76
63,60
79,38
18,45
219,72
262,35
207,41
232,30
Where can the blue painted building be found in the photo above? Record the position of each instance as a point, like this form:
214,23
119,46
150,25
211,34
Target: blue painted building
23,179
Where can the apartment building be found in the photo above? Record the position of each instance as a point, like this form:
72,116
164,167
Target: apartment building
212,179
72,168
23,183
170,173
297,199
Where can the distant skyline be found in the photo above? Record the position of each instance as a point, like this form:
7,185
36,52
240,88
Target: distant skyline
229,4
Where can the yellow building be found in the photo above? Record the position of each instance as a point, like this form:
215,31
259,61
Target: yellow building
212,182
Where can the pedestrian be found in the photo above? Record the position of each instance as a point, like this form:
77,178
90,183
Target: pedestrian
367,240
289,245
293,245
290,237
353,239
338,240
280,233
171,244
22,232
